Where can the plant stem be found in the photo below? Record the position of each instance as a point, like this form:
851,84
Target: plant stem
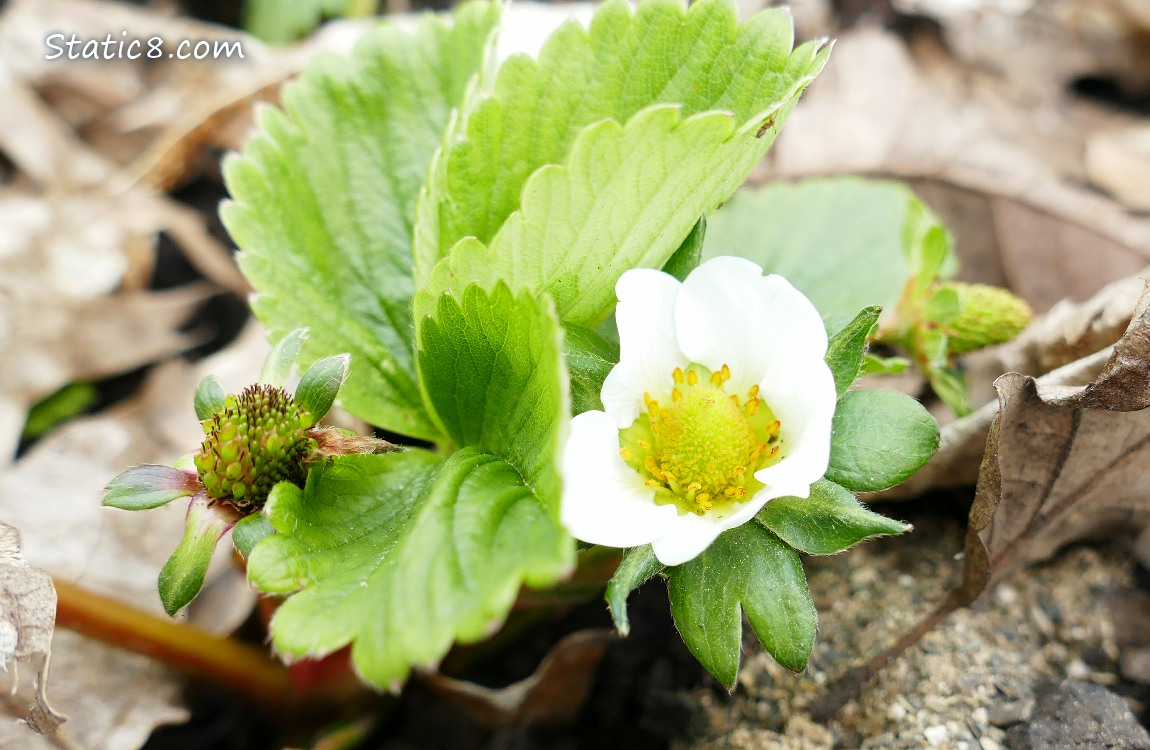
246,669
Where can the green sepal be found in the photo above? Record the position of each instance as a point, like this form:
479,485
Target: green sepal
319,386
944,306
747,568
149,486
846,349
182,576
277,366
639,565
251,530
210,398
829,521
878,439
590,358
949,384
687,257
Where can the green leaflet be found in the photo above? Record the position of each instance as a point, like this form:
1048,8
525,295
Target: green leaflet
402,554
561,197
324,202
590,358
828,521
844,242
878,439
639,565
747,568
847,348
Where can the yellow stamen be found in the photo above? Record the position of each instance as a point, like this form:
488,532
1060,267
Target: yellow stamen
653,467
773,428
652,483
676,395
740,470
752,407
643,444
726,373
692,377
627,454
753,391
735,491
735,400
774,450
677,375
716,378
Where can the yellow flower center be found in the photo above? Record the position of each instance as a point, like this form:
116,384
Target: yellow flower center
702,450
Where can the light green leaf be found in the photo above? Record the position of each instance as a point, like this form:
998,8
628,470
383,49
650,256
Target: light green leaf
844,242
284,21
402,554
318,387
747,568
878,439
639,565
873,365
943,306
565,207
687,257
492,366
590,358
324,202
182,576
277,367
828,521
210,398
846,349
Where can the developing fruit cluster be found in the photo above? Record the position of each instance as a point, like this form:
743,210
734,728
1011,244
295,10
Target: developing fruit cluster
258,439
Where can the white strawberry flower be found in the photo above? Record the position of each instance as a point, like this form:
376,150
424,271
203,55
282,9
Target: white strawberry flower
720,402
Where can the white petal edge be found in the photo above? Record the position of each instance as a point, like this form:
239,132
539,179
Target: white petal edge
692,534
604,500
648,349
802,395
729,313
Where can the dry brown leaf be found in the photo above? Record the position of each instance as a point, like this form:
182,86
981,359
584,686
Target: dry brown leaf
552,696
1118,161
1063,463
27,617
1068,346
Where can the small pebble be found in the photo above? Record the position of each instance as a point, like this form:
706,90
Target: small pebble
988,744
1078,670
980,716
896,712
937,734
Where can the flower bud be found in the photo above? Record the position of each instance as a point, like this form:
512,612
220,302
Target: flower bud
989,315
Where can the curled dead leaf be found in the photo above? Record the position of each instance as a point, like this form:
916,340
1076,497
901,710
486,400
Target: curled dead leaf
27,619
552,696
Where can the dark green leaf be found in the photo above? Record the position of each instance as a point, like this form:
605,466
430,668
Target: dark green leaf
687,257
828,521
846,349
638,566
878,439
590,358
250,531
746,568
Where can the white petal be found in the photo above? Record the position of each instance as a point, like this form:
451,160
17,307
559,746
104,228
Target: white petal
802,395
728,313
604,500
648,349
692,534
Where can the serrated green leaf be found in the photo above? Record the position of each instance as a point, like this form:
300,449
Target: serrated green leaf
492,366
149,486
828,521
277,367
182,576
324,202
844,242
250,531
590,358
687,257
402,554
846,349
878,439
747,568
639,565
210,398
615,196
318,387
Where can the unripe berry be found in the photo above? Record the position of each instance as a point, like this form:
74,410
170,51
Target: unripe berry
257,440
989,316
